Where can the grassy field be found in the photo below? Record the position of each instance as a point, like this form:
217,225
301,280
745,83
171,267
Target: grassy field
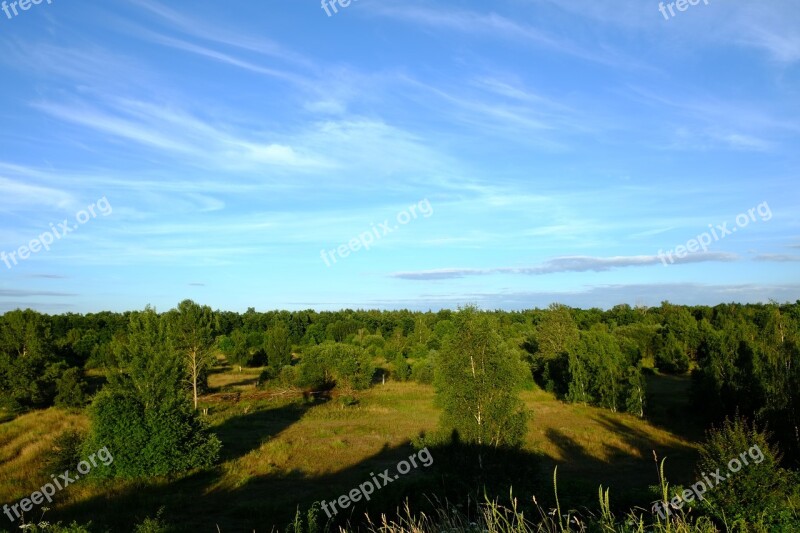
281,452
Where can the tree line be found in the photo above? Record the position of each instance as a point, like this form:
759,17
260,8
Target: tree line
743,359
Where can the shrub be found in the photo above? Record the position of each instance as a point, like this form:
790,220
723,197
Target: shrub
149,440
152,525
335,363
422,371
402,370
348,401
755,494
71,389
65,452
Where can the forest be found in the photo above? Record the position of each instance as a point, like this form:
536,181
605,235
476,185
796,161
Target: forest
144,382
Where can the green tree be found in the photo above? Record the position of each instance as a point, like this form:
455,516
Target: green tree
756,493
143,415
557,333
28,366
601,374
552,349
402,370
671,355
477,382
333,363
71,389
191,332
278,346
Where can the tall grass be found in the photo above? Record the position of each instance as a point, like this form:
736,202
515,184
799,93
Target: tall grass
496,517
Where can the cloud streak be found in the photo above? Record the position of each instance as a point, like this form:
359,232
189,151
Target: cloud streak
565,264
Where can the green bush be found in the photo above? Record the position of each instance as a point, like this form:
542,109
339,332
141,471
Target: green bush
71,389
152,525
422,371
149,440
671,356
402,370
65,452
348,401
757,493
333,363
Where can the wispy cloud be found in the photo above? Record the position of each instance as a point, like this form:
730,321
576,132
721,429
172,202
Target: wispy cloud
566,264
778,258
770,27
171,130
215,33
600,296
497,26
17,195
24,293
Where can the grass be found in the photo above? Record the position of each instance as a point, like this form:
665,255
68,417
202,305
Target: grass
24,443
281,453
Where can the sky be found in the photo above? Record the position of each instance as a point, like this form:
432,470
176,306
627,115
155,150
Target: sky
386,154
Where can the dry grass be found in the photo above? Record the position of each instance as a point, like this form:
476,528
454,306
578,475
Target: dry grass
24,444
233,379
280,453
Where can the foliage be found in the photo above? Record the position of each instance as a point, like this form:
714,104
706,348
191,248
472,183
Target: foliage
758,491
143,415
155,524
191,334
159,440
71,389
423,370
477,381
278,346
65,452
402,370
600,374
550,346
28,366
671,356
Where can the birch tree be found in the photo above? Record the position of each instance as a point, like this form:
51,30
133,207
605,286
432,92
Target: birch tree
191,333
477,381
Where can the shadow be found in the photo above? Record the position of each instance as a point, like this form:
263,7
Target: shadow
206,500
581,473
247,432
668,406
94,383
627,469
680,458
253,380
233,498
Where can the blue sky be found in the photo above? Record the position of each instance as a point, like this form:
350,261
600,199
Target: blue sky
551,149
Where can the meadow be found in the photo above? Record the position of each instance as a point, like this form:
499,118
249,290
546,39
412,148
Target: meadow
282,452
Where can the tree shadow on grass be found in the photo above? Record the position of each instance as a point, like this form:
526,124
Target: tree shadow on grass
237,501
629,476
669,407
247,432
681,457
233,497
